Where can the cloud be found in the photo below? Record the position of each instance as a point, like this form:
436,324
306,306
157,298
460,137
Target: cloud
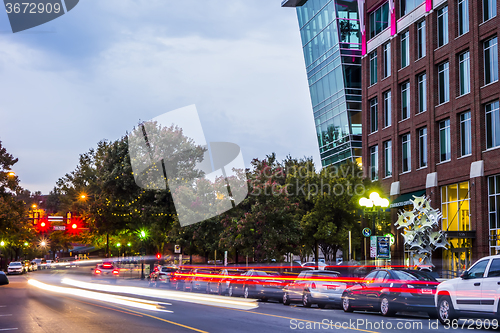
239,62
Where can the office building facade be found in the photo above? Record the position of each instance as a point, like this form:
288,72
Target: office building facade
331,42
431,117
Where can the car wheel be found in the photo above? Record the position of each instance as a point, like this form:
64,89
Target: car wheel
246,292
286,299
386,307
346,304
321,305
231,292
446,312
306,302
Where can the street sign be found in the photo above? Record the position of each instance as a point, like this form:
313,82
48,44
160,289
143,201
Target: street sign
59,227
383,247
366,232
177,249
373,246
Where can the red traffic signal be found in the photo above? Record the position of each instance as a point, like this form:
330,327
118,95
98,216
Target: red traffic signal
74,225
43,225
158,256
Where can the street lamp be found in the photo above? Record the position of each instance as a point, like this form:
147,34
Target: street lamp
11,174
142,235
374,204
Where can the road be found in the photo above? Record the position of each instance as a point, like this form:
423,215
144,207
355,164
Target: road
25,307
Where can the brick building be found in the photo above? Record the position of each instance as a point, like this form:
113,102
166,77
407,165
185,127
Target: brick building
431,119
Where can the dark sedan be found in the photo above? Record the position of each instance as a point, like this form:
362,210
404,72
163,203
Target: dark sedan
389,291
257,284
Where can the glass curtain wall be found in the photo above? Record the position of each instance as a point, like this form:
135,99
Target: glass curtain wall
331,41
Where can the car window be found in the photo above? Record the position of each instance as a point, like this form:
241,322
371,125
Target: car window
326,274
477,271
404,276
381,276
371,275
494,269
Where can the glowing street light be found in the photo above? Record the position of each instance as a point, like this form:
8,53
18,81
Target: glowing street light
2,243
11,174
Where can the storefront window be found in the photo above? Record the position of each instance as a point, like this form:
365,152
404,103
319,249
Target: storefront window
455,207
494,213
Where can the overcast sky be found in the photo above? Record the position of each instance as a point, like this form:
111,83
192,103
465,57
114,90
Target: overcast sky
98,70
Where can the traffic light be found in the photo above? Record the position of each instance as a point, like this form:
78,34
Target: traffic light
74,225
43,225
158,256
36,217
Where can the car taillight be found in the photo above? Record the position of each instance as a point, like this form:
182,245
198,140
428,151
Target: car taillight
97,271
313,285
116,272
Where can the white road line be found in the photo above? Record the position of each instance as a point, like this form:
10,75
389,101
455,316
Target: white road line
8,329
5,315
3,306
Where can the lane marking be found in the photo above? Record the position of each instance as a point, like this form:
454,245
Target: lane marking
5,315
173,322
298,319
8,329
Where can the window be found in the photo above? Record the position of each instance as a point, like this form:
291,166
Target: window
388,158
387,60
379,20
420,39
405,100
490,61
408,5
492,125
455,200
387,109
442,27
422,93
494,269
464,73
465,134
373,115
463,17
406,152
444,83
489,9
405,49
422,147
477,271
373,67
444,140
374,162
494,213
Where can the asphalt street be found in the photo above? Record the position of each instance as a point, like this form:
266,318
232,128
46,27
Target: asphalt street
42,307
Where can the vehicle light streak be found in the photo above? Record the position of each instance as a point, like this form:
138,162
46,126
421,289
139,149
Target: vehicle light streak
121,300
212,300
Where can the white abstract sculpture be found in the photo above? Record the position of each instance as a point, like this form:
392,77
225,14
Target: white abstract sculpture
422,234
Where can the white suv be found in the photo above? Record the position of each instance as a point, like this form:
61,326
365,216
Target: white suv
474,294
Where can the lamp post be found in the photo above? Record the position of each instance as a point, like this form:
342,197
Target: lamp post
373,205
2,244
142,235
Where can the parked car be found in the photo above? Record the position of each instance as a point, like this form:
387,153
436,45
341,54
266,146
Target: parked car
3,279
161,276
474,294
41,263
257,284
315,287
313,265
105,271
27,266
179,278
34,265
220,283
198,279
15,267
389,291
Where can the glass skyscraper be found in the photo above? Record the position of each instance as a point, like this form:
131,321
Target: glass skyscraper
331,41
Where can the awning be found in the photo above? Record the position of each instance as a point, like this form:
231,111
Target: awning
83,249
293,3
404,199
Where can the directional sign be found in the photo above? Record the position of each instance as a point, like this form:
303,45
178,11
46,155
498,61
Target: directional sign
59,227
373,246
366,232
